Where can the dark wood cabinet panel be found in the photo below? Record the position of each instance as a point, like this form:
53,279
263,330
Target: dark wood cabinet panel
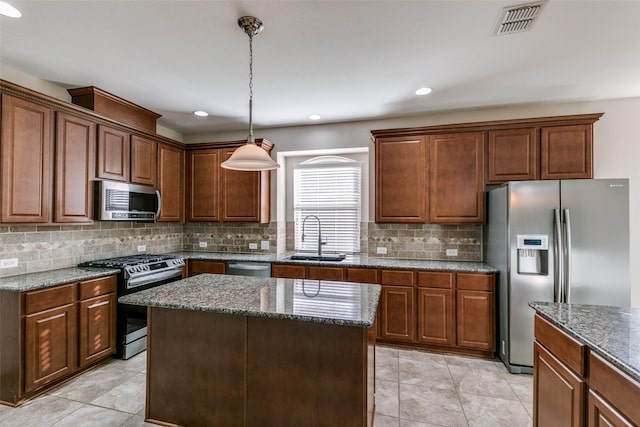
397,313
196,267
475,281
398,277
601,414
362,275
402,179
171,183
325,273
26,148
50,343
456,178
287,271
143,160
436,279
566,152
436,317
75,151
475,315
203,181
615,386
244,195
97,324
559,394
512,155
113,157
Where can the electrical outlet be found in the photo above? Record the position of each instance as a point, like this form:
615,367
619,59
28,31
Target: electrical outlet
452,252
202,244
142,248
381,250
264,245
8,263
253,246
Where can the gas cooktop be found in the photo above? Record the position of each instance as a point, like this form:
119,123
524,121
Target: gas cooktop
125,261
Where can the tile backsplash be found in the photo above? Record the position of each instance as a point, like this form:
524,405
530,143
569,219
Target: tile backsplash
40,248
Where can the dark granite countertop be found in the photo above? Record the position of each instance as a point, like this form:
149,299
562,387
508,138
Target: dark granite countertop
349,261
321,301
612,332
46,279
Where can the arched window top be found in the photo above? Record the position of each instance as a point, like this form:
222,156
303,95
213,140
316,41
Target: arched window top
327,161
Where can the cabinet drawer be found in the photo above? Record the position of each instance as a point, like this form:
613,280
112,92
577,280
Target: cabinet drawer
397,277
362,275
287,271
325,273
45,299
212,267
571,352
97,287
615,386
475,282
432,279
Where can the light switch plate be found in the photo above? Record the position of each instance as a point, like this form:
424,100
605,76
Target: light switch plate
452,252
264,245
253,246
381,250
142,248
9,263
202,244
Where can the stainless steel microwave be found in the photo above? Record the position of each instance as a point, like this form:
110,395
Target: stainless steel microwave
120,201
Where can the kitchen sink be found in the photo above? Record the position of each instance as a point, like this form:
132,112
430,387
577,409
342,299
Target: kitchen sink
314,257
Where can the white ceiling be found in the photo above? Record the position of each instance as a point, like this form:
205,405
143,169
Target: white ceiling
344,60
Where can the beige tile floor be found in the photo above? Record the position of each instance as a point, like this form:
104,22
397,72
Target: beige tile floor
414,389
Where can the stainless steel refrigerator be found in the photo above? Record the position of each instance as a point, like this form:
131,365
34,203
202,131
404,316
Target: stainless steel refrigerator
562,241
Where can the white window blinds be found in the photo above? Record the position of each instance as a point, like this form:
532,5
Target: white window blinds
329,188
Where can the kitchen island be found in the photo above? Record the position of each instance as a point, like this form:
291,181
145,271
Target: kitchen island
245,351
586,365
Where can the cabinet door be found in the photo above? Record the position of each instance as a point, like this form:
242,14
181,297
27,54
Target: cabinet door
113,154
475,314
203,179
75,168
171,183
97,328
512,155
558,393
26,146
401,179
457,178
143,160
50,345
362,275
436,320
212,267
566,152
244,195
325,273
601,414
285,271
397,308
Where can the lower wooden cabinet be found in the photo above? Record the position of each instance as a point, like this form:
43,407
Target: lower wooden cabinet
396,310
601,414
97,320
475,319
436,322
195,267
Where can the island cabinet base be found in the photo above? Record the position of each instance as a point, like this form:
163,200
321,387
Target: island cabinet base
216,369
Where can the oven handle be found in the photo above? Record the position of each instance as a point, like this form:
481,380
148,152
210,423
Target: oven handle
154,277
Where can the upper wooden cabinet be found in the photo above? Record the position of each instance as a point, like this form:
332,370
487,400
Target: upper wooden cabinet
143,160
218,194
26,147
113,154
171,183
566,152
457,178
75,149
512,155
401,179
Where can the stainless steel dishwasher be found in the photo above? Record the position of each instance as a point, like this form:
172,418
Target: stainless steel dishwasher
256,269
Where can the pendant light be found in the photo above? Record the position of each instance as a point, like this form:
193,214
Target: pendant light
250,157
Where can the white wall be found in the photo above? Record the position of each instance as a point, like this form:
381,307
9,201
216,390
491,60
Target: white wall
616,147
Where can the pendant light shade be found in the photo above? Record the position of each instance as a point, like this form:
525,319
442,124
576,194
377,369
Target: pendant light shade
250,157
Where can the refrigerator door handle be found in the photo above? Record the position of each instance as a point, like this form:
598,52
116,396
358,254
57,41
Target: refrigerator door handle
567,259
558,276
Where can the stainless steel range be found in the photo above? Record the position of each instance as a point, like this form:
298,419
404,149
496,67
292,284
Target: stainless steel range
138,272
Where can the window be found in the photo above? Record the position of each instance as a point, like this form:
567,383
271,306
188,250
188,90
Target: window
328,187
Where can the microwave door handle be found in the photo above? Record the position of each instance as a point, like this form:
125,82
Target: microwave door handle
159,204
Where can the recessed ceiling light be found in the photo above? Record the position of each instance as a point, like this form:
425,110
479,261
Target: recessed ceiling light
423,91
314,117
7,10
201,113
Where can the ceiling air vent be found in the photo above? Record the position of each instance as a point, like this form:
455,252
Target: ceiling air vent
518,18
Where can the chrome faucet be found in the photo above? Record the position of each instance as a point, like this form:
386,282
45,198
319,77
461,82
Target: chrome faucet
320,242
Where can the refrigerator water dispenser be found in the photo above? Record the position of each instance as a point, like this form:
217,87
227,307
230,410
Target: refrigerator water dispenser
533,253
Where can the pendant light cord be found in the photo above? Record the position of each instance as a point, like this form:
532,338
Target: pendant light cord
250,139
